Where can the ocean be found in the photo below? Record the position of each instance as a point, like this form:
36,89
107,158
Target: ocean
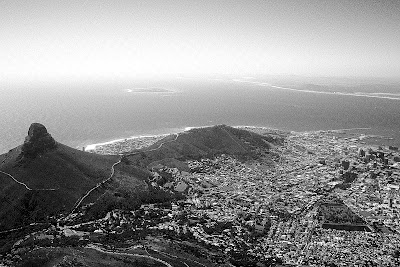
81,116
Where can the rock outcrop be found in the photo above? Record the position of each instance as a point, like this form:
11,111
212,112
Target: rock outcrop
38,141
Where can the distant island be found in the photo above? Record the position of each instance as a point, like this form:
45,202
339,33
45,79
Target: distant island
149,90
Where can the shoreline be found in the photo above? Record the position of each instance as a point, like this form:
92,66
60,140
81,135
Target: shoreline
114,142
91,147
389,96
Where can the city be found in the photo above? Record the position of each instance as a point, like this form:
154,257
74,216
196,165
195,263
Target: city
323,198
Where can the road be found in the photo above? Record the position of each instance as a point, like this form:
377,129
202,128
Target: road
157,148
26,186
177,258
78,203
128,254
164,254
23,227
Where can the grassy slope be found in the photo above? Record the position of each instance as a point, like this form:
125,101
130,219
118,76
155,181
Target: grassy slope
204,142
47,257
71,171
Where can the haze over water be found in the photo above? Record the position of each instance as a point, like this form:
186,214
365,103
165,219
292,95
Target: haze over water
70,65
86,116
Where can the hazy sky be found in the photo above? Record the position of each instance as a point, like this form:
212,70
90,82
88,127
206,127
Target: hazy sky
70,40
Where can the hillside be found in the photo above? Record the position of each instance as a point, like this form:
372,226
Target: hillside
206,142
43,177
47,179
44,182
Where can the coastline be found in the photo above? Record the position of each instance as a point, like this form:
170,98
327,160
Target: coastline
94,146
139,141
121,141
389,96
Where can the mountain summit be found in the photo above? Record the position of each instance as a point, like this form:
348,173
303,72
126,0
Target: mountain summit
38,141
43,177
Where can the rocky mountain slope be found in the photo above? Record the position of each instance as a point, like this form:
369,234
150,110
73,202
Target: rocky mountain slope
43,177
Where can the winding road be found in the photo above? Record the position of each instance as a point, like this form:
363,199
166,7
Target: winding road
128,254
26,186
97,186
167,255
79,201
177,258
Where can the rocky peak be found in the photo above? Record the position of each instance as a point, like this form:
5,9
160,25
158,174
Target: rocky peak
38,141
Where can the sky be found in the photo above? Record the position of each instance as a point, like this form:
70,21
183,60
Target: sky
53,40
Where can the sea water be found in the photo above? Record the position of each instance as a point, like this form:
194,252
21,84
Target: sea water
81,116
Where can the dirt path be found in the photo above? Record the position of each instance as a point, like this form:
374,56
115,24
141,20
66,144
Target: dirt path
26,186
128,254
79,202
97,186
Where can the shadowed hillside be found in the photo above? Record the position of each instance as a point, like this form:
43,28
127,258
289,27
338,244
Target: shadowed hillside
39,179
43,177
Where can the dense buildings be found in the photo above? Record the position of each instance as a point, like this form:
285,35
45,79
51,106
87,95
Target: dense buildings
320,199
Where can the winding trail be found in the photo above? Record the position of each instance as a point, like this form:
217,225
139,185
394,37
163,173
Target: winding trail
177,258
15,180
21,228
129,254
79,201
97,186
26,186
